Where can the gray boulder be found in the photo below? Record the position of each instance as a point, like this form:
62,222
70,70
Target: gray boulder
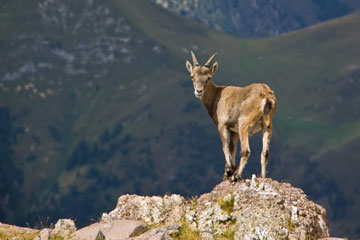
64,227
162,233
115,230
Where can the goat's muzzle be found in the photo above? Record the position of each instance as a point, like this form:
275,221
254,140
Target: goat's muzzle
198,93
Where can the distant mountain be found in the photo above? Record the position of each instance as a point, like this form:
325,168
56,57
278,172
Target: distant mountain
260,18
96,102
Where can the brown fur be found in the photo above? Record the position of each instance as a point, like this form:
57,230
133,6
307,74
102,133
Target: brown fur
238,112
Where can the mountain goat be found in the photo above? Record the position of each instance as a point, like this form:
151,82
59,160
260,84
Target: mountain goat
237,112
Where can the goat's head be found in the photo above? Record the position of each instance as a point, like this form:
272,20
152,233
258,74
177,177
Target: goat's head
201,75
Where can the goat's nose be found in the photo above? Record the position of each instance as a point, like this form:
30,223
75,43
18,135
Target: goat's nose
198,91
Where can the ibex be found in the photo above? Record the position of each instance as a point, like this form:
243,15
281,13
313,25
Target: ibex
236,111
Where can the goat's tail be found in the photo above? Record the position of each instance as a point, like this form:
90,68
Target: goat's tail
269,109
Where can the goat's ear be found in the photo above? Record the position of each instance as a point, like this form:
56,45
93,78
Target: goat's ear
214,68
189,66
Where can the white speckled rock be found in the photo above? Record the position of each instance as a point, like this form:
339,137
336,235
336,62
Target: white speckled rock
45,234
64,227
150,210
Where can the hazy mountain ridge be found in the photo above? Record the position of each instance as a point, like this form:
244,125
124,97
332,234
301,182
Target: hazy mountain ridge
104,121
260,18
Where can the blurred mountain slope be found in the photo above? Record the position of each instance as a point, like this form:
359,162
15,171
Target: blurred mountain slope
260,18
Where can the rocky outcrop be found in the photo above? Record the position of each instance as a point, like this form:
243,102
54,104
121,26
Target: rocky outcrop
249,209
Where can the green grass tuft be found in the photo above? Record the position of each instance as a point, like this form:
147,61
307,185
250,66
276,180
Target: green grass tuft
193,201
187,233
290,225
227,205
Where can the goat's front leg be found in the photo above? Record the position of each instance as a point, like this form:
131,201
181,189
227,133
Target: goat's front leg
225,137
245,153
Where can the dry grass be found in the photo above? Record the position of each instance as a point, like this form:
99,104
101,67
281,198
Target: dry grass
8,235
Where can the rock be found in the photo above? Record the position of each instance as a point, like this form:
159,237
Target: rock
116,230
332,238
162,233
121,229
64,227
207,235
253,182
150,210
250,209
14,232
45,234
87,233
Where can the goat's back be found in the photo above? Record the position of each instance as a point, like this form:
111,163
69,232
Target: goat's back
248,103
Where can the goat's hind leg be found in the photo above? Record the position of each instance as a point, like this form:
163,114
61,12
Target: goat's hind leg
234,139
266,135
225,136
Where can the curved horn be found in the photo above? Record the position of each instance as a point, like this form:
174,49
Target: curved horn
211,59
195,62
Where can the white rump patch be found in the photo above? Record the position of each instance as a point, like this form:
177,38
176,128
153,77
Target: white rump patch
263,102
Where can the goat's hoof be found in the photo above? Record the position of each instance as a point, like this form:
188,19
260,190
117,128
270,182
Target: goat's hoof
227,174
235,178
225,177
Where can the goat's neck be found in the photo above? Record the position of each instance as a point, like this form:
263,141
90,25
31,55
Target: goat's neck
210,96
